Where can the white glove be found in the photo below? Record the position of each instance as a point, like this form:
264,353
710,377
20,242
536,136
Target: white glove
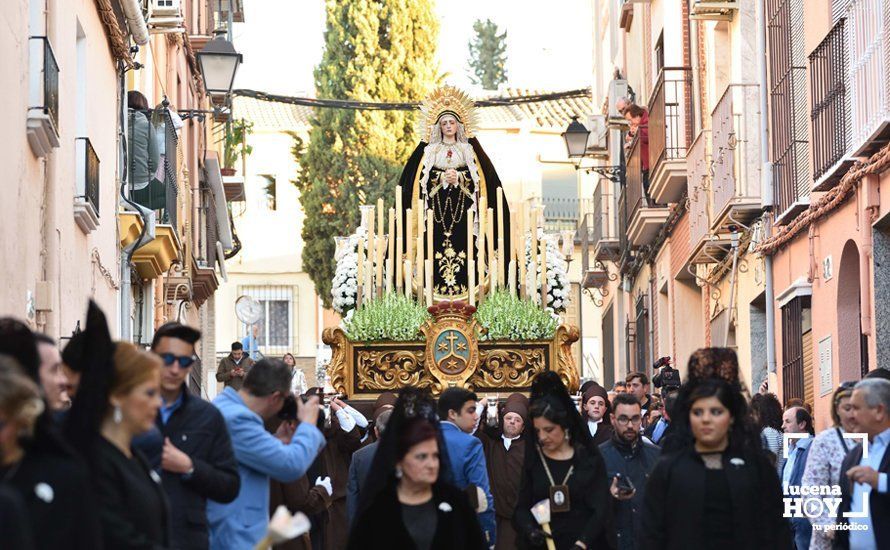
326,483
347,423
357,416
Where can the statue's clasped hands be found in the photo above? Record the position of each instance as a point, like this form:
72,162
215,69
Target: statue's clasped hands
451,176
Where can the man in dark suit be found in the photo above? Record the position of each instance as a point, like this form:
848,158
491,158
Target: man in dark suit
867,475
189,445
361,463
658,431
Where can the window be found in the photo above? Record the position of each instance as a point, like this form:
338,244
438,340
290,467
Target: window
275,329
788,116
796,322
659,53
642,356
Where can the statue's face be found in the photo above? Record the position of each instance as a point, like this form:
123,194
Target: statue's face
448,125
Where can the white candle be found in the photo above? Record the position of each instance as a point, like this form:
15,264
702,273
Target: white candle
489,238
389,275
408,278
512,277
391,245
471,276
429,283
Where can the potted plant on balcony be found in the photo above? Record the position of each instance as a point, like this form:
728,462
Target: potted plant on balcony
235,145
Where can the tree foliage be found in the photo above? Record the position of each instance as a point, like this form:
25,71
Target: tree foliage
374,51
488,55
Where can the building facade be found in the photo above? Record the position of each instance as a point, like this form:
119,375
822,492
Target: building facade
111,197
755,219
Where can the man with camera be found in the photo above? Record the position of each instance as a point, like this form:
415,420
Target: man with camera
669,377
284,456
629,459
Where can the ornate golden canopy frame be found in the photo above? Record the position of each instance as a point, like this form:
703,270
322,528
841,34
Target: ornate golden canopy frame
450,355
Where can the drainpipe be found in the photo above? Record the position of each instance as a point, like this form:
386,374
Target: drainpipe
870,204
766,190
135,21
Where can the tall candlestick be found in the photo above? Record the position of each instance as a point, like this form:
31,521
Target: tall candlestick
489,237
544,272
408,278
480,244
380,214
471,280
420,266
511,279
429,283
500,241
399,236
378,279
409,235
360,265
430,264
368,282
391,248
523,259
389,275
469,237
420,212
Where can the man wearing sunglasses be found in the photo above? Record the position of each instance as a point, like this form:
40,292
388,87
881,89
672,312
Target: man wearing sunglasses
190,446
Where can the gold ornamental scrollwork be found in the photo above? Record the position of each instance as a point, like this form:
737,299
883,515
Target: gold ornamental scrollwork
338,367
387,370
508,368
565,336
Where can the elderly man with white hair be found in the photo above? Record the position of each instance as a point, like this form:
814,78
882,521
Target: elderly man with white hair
867,472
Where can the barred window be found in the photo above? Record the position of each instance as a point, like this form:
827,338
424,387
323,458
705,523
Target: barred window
276,326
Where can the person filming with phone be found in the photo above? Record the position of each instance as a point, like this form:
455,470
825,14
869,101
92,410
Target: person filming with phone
629,460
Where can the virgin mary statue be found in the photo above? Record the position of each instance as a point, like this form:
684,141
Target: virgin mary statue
449,172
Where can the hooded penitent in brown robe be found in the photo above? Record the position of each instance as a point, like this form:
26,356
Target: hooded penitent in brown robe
604,428
505,468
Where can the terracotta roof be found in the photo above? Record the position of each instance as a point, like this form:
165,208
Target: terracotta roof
272,116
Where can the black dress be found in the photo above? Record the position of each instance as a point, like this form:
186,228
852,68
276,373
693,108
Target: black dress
55,489
382,525
589,511
132,505
740,507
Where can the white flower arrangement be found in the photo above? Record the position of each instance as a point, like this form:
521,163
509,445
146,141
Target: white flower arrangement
557,274
344,286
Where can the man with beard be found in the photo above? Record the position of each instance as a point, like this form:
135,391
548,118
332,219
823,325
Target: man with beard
504,445
629,460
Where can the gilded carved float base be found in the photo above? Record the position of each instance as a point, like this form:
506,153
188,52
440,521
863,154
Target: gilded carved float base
363,370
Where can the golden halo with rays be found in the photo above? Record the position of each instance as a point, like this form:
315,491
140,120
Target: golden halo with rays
447,99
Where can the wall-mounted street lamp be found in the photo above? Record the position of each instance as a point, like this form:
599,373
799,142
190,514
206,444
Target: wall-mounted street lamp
219,62
576,137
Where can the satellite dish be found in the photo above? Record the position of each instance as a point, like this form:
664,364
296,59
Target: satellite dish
248,310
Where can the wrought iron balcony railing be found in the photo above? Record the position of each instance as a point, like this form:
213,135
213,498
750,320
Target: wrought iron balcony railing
869,75
88,173
670,120
565,213
830,115
699,189
735,123
48,95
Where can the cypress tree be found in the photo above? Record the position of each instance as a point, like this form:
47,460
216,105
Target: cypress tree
382,50
488,55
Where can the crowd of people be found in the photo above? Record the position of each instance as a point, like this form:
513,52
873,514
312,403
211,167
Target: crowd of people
102,445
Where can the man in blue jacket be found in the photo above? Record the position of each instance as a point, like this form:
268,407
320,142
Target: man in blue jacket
261,455
796,420
457,411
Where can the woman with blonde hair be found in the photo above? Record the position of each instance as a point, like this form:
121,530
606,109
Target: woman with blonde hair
118,399
824,459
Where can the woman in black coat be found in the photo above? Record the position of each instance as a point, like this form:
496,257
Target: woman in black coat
563,456
714,487
405,504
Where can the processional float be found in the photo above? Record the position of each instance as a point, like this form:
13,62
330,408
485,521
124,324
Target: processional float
451,242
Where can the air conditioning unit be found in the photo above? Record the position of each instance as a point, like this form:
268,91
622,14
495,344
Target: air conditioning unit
166,8
598,143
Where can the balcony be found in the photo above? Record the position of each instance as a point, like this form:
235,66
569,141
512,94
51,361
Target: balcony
670,129
830,115
868,76
565,212
713,10
155,257
735,123
43,99
86,177
643,220
605,222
